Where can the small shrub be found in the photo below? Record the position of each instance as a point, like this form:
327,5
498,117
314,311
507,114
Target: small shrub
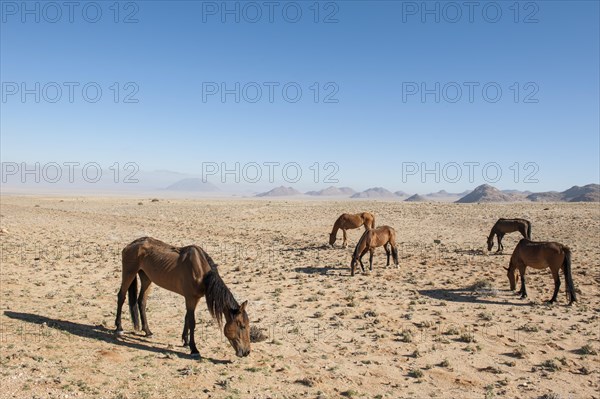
550,365
415,373
587,350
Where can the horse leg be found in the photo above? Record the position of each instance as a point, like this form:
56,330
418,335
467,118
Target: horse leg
395,254
556,277
500,246
126,281
190,305
387,253
345,242
144,291
186,332
362,266
371,251
523,289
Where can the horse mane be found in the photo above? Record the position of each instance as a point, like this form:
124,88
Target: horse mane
355,254
219,299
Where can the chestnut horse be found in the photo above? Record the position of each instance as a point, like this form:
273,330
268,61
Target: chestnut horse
503,226
372,238
541,255
348,221
188,271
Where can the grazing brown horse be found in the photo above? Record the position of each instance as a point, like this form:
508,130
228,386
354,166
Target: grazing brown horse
503,226
372,238
188,271
347,221
541,255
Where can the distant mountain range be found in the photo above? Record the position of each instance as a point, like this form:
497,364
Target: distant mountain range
587,193
333,192
280,192
483,193
193,185
375,192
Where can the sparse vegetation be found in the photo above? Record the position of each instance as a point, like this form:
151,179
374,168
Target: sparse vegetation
481,285
349,393
587,349
550,365
520,351
529,328
406,336
415,373
256,334
489,391
487,316
467,337
452,330
551,395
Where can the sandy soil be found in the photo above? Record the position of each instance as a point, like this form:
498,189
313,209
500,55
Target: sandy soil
442,325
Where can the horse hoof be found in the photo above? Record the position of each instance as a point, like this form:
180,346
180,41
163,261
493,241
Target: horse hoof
148,335
195,355
119,333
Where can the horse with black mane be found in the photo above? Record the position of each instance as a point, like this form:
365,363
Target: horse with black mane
188,271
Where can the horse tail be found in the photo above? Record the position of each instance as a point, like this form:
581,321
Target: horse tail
568,277
528,230
133,309
394,248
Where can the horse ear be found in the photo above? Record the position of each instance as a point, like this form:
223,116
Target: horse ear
243,306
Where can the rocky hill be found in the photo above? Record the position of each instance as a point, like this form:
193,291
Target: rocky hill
416,198
587,193
280,191
375,192
486,193
333,192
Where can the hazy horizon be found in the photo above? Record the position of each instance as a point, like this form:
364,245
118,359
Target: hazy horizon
109,182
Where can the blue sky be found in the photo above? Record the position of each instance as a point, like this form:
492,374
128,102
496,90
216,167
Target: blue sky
370,62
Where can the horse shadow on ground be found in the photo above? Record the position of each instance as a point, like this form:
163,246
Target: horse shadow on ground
466,296
99,333
322,270
309,248
471,252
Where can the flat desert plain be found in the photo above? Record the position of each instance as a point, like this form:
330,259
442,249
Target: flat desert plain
442,325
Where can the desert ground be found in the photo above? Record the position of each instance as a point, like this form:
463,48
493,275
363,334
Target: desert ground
443,325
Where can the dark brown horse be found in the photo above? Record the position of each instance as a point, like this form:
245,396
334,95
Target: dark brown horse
541,255
504,226
372,238
348,221
188,271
